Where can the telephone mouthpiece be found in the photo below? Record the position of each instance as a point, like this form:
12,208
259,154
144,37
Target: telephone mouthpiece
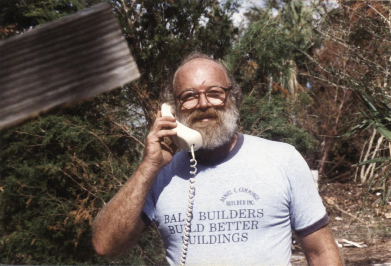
186,137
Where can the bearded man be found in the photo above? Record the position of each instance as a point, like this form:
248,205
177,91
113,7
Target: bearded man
249,192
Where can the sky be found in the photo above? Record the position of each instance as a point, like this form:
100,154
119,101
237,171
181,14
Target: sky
239,17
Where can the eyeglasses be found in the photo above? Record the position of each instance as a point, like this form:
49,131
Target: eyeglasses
215,95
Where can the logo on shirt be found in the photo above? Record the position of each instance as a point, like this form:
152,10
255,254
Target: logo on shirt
230,192
221,226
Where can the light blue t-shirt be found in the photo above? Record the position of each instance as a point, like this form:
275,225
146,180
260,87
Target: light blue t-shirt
244,206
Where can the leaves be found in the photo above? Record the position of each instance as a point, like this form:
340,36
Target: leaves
356,58
275,118
377,160
55,187
58,170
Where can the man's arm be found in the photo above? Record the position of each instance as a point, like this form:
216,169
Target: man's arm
118,225
320,248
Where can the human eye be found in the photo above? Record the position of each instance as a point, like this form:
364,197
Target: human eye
215,92
188,96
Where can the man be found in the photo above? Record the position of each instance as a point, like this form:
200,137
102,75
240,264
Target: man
249,192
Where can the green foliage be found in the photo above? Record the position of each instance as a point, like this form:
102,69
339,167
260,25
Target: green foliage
271,48
365,48
262,62
261,52
18,16
274,117
299,19
161,33
356,59
374,107
57,172
377,160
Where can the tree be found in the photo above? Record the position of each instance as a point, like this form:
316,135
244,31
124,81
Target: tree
298,19
160,34
358,35
261,61
58,170
270,117
325,117
18,16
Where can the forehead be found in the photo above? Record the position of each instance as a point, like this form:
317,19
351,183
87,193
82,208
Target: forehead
200,73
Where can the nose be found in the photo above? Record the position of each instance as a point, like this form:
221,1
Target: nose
203,102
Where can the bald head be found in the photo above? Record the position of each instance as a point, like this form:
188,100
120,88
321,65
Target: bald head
200,72
188,65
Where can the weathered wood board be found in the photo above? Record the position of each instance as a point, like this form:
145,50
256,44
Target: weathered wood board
65,61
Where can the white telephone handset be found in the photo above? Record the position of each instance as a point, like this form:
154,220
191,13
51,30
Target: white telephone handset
189,140
186,137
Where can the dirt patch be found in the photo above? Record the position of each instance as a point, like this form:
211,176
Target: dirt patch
351,220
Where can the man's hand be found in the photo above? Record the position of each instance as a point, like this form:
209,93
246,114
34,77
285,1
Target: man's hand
118,225
320,248
157,152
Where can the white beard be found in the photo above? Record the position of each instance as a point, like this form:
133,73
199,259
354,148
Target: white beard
213,134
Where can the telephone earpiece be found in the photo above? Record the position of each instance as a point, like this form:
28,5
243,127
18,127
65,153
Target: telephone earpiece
186,137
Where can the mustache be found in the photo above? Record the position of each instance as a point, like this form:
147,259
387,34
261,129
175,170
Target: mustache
199,115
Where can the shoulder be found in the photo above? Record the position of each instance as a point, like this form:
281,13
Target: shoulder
177,170
272,148
179,164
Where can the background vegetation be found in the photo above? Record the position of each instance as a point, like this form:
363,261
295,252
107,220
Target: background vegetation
313,75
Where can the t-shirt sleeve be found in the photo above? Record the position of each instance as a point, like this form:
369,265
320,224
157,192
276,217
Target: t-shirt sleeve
306,210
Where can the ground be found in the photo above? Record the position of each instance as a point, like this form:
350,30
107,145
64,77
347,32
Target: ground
349,220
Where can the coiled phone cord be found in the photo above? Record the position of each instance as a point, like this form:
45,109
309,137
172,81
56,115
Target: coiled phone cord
189,214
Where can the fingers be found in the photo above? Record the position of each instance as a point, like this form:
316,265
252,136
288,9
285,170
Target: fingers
155,149
165,133
163,126
164,122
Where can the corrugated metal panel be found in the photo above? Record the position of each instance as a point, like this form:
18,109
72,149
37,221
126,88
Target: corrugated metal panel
73,58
